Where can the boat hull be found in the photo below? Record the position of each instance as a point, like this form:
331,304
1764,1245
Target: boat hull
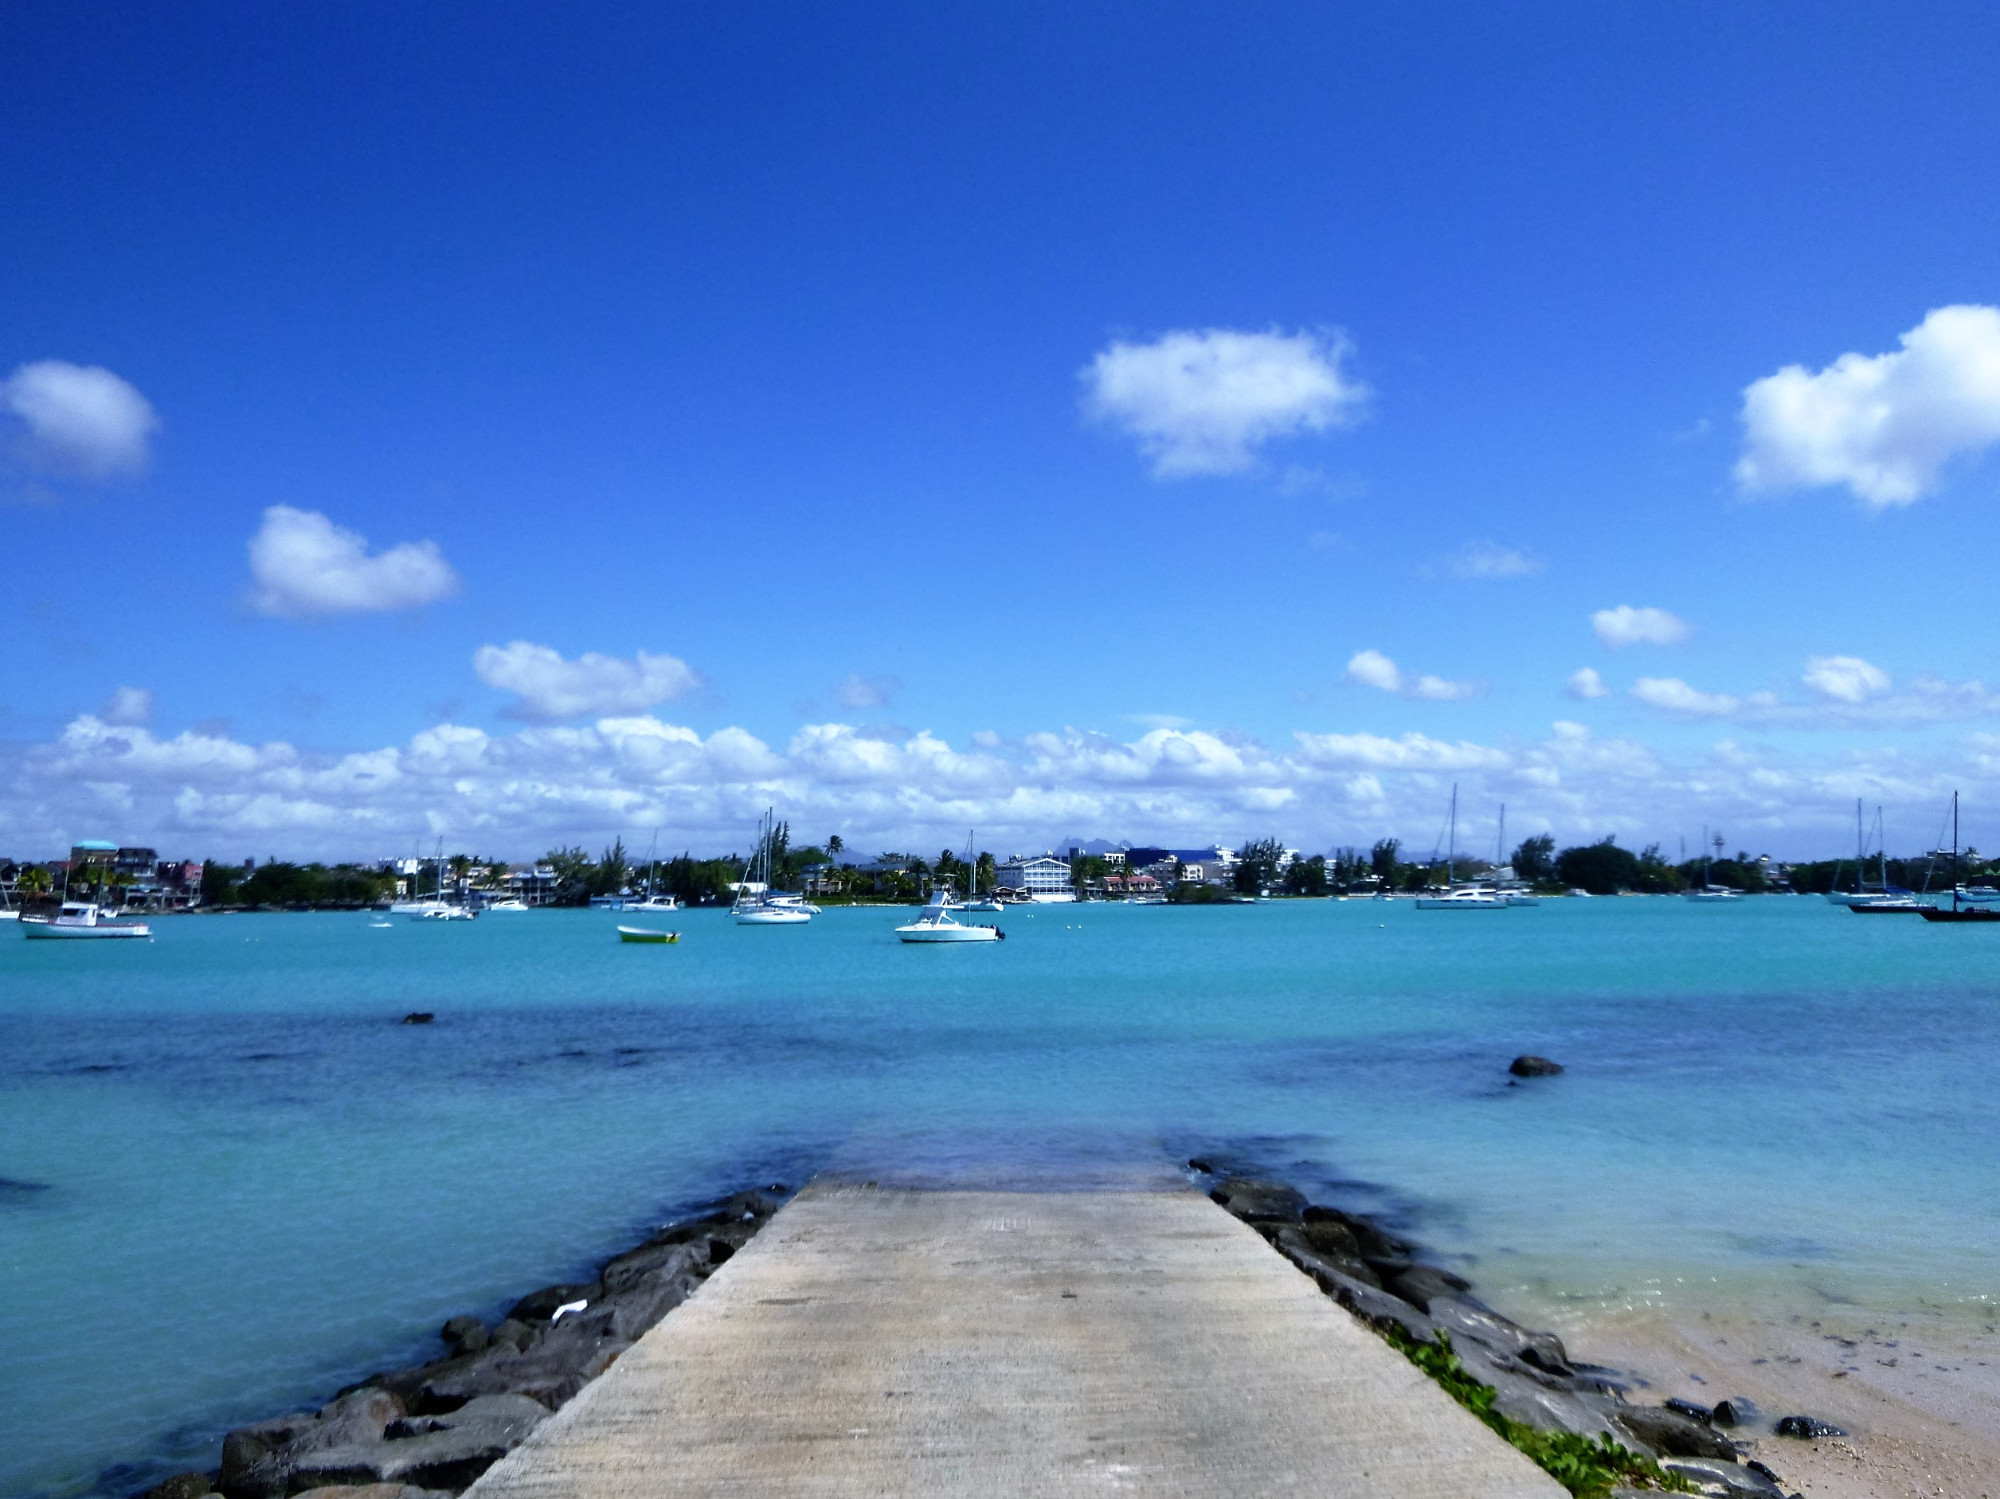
1963,913
1447,903
49,930
768,917
646,934
952,933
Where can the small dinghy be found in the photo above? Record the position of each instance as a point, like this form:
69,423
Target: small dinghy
646,934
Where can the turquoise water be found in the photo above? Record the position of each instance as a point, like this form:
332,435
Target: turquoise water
234,1183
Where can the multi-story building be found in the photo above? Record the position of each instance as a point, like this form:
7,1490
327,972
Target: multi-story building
1044,878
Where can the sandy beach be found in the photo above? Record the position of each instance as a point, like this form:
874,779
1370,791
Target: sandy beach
1917,1393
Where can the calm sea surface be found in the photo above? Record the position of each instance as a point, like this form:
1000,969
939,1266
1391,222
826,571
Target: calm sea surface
230,1182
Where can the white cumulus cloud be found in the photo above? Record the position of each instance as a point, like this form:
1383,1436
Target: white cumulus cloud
1676,696
1586,683
128,705
1884,424
1626,625
1373,669
1845,679
549,687
1203,401
302,565
79,420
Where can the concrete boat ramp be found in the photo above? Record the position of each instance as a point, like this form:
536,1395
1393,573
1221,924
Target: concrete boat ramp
876,1341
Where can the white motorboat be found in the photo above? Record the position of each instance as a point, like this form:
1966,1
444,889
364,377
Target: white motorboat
82,919
1520,897
1976,895
1464,898
443,911
934,924
654,903
511,903
757,904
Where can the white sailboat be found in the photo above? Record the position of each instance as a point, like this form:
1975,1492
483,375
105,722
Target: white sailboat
974,901
654,900
1705,892
437,908
1861,895
757,904
1459,897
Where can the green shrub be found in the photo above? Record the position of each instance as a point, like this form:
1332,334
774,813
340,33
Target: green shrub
1589,1467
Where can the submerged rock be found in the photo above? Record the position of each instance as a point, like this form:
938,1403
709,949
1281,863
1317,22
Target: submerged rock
419,1017
1532,1066
182,1486
465,1335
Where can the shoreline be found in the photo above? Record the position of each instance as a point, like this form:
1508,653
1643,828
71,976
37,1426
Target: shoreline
1917,1398
1915,1395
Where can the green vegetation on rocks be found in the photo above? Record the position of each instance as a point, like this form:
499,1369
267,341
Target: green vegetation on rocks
1589,1467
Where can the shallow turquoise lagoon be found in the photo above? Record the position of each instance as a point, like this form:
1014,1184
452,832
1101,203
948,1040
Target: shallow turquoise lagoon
230,1182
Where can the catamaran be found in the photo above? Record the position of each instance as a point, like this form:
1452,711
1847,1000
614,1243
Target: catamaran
1459,897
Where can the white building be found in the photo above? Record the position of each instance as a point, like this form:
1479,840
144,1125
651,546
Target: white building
1041,879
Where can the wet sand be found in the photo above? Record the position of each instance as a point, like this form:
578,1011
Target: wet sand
1918,1393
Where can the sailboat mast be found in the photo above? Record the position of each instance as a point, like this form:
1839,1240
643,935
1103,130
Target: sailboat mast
1451,845
1500,847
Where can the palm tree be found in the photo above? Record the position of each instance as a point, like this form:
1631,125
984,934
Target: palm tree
835,847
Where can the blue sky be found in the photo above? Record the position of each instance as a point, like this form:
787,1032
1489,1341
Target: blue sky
1146,422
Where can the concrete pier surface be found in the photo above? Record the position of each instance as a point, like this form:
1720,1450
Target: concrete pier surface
884,1341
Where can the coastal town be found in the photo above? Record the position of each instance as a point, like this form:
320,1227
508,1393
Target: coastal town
135,879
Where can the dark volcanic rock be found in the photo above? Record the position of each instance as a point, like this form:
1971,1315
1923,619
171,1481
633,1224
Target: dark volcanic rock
1260,1201
258,1462
433,1452
1420,1283
419,1017
540,1306
551,1369
671,1259
1692,1411
1723,1480
1534,1067
1538,1355
1331,1235
465,1335
1672,1434
1735,1411
1806,1427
